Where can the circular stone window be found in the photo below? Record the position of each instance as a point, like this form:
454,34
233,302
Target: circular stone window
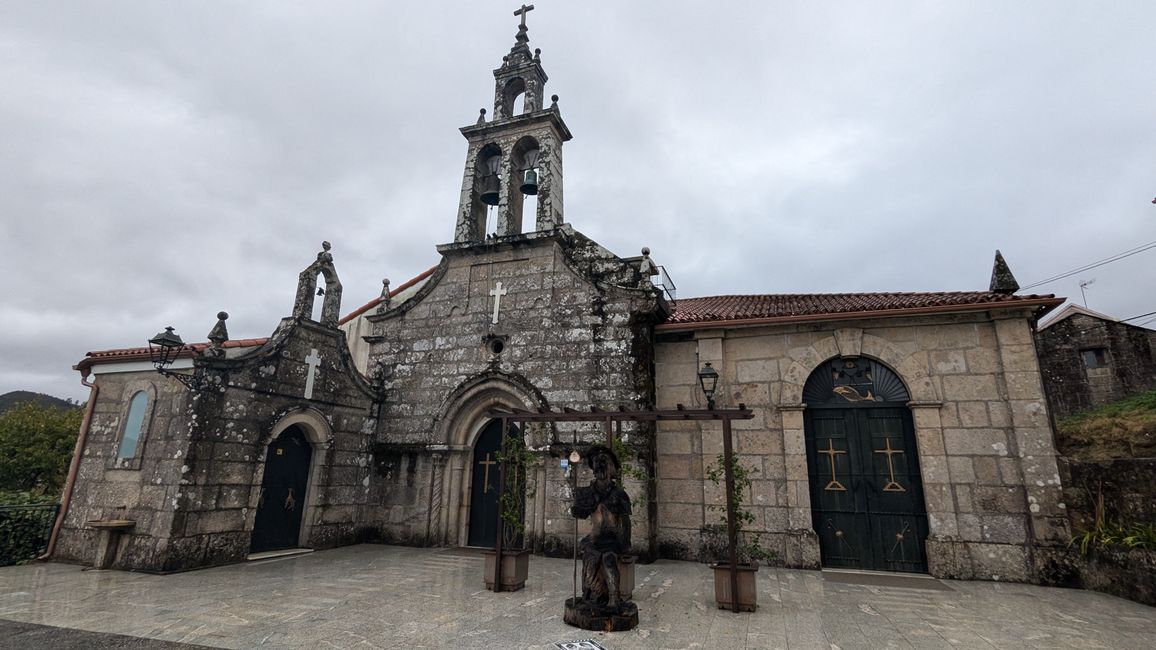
496,346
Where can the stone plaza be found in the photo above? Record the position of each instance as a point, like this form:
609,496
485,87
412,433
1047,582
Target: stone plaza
377,596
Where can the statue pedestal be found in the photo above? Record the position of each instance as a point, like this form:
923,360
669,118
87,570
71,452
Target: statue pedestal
595,616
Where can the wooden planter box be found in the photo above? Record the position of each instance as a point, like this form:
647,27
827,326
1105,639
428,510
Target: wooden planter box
748,593
515,568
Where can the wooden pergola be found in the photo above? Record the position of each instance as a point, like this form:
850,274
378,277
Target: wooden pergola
612,426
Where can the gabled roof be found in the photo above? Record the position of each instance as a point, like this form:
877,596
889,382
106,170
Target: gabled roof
719,311
125,355
420,278
1071,309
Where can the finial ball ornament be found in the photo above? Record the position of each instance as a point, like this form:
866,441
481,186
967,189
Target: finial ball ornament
221,315
646,250
326,245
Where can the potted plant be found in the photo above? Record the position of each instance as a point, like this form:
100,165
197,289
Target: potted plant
515,458
749,547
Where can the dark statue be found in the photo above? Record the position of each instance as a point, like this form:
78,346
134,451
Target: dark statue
607,506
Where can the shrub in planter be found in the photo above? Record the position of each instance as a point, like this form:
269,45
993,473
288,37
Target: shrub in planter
749,549
511,509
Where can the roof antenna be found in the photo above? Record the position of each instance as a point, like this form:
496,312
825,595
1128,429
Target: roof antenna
1084,285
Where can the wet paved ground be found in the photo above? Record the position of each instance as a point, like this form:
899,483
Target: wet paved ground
396,597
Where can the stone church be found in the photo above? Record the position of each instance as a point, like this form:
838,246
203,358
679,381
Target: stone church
892,431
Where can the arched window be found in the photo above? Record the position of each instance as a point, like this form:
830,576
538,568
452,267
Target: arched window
513,98
133,425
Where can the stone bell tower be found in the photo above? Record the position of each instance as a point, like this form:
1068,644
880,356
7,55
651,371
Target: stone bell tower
516,154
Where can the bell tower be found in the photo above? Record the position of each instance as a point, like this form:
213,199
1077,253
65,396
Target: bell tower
515,155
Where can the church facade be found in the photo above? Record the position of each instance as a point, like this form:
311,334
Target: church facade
895,431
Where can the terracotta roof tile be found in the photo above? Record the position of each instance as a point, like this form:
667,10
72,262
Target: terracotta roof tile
122,355
806,306
376,301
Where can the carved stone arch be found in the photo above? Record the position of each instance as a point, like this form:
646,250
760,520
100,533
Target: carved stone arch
307,288
463,420
313,422
510,90
912,368
465,408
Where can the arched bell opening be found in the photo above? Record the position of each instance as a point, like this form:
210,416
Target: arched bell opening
524,183
320,303
867,502
487,190
513,98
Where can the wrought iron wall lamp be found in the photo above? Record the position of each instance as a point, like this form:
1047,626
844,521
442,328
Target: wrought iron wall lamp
708,380
164,348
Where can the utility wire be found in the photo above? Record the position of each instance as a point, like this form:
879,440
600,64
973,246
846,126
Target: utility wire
1125,320
1087,267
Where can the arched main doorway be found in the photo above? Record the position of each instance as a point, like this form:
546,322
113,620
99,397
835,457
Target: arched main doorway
866,492
283,491
483,527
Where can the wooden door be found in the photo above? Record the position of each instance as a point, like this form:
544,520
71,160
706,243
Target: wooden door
282,502
484,487
866,492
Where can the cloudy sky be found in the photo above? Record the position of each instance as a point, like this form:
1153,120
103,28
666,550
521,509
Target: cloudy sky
162,161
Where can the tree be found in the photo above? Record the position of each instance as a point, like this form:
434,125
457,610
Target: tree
36,446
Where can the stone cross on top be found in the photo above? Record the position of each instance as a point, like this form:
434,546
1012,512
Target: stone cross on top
522,12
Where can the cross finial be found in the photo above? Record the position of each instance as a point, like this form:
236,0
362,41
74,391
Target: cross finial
522,12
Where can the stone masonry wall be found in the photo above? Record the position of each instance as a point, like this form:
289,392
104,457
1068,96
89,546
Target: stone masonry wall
1073,388
986,454
140,489
194,486
574,328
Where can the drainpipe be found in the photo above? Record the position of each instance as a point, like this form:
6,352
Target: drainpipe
74,466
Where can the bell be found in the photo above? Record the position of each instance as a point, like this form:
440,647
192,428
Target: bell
530,183
490,187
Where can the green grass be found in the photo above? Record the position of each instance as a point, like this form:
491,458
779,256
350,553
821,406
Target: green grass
1123,429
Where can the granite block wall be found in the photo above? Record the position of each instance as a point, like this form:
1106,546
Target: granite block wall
988,463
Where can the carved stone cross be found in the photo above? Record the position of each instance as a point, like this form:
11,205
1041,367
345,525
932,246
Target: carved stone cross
497,292
523,11
312,361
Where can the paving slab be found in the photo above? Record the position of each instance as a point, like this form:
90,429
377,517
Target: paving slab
375,596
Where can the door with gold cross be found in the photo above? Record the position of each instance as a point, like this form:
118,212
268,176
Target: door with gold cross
866,494
483,525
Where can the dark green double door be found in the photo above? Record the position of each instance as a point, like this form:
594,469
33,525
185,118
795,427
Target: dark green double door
866,493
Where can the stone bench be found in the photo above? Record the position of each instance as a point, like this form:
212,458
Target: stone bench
109,539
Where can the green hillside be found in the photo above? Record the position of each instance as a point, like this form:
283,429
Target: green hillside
8,400
1124,429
